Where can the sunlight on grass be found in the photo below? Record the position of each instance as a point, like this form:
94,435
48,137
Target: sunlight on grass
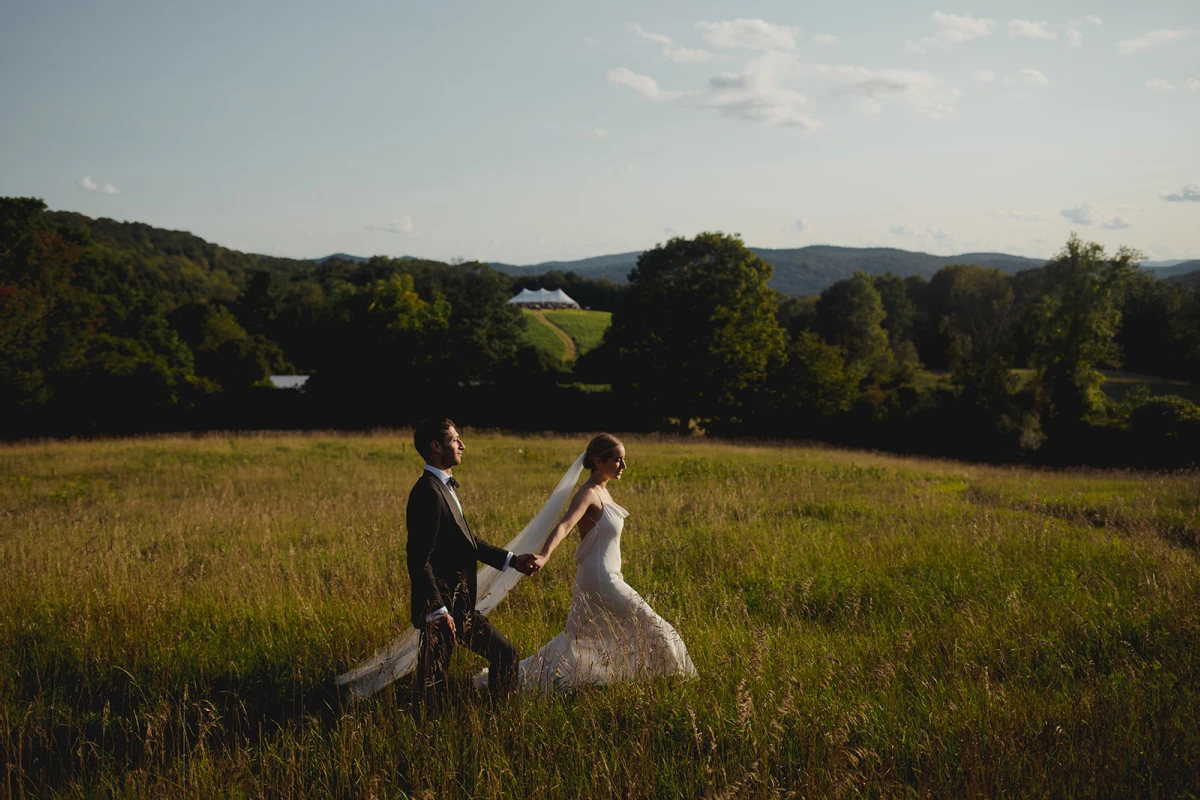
863,625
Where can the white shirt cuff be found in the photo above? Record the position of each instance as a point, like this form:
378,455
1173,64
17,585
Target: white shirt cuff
436,614
507,561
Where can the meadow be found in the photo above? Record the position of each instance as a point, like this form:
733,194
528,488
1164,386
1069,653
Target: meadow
586,328
864,626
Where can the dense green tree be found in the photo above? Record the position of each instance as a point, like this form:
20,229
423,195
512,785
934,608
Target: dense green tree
1074,327
381,342
980,320
696,330
850,315
814,381
225,353
900,320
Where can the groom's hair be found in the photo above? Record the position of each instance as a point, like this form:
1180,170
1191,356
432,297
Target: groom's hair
429,430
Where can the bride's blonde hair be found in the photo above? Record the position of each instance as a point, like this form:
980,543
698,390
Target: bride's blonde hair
600,445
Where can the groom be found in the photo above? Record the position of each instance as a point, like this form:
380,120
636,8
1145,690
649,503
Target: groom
442,556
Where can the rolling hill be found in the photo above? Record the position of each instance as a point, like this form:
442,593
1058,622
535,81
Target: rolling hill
802,271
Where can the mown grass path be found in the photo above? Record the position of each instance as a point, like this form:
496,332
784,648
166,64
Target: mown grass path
863,625
569,351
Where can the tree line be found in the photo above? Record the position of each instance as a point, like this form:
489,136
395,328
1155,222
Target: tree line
114,327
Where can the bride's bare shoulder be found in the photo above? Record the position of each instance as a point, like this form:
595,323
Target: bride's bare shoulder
587,495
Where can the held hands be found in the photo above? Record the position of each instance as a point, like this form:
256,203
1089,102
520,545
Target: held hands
528,563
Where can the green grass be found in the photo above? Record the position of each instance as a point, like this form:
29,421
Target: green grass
586,328
542,337
864,626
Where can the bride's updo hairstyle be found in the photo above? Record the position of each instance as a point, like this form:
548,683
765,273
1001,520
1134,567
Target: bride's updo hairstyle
601,445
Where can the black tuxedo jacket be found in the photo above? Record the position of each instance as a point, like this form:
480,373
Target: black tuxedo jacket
442,552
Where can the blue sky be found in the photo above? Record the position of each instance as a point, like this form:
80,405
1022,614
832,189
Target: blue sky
525,132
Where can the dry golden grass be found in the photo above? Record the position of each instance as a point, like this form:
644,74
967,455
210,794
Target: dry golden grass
864,625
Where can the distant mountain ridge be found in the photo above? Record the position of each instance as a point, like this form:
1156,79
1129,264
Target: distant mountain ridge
801,271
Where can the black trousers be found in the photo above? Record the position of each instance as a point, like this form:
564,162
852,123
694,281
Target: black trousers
478,635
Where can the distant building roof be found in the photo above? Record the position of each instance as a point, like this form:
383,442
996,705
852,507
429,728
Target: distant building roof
540,296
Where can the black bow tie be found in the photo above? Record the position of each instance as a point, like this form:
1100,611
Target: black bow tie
453,484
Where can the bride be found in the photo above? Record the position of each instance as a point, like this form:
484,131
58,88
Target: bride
611,634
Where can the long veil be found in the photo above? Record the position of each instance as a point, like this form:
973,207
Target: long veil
399,657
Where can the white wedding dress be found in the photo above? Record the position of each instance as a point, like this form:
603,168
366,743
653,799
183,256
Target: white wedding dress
612,634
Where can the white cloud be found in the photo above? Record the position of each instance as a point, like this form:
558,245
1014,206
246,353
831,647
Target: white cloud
1160,86
800,224
757,95
984,76
685,55
642,84
87,184
1092,18
671,51
1074,37
826,39
1193,83
1117,224
598,133
1027,77
1082,214
952,30
1030,30
1153,39
658,38
755,34
1020,216
403,225
919,89
1188,194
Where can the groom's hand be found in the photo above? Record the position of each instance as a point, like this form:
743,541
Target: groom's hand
445,621
526,563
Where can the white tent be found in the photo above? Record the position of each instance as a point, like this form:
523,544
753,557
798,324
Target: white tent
543,297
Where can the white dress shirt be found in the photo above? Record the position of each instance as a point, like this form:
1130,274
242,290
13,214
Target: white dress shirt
444,477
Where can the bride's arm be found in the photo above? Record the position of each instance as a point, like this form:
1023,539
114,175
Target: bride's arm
579,505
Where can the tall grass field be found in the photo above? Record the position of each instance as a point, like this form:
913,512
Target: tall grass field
174,609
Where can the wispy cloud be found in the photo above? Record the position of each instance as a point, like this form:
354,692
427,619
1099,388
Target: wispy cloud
1027,77
827,39
1024,29
1151,40
1086,214
757,95
1092,18
1020,216
952,30
1193,83
1082,214
1074,37
672,51
1188,194
918,88
642,84
598,133
1160,86
754,34
403,225
984,76
87,184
